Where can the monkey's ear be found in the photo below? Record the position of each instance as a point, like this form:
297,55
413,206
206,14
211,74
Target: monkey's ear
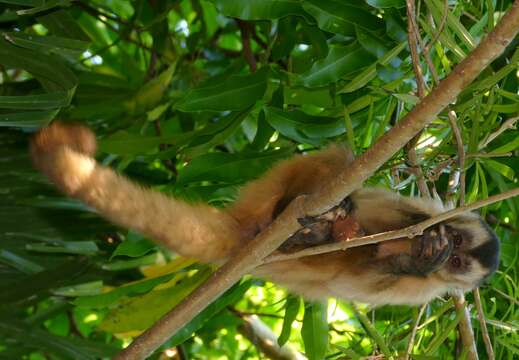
74,136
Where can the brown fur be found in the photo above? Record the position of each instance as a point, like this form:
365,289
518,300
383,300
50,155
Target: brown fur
64,153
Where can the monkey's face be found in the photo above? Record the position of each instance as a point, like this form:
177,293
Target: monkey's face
472,252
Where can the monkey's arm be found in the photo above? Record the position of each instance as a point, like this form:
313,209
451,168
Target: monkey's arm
65,154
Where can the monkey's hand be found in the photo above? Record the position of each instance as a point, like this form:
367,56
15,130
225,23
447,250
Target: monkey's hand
428,253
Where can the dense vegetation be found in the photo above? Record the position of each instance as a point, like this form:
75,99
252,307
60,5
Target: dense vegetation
194,98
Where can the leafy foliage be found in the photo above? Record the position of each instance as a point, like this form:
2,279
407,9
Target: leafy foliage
194,98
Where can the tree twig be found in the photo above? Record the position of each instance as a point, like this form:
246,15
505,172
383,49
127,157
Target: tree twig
508,124
412,37
453,119
465,326
248,54
410,345
483,325
259,334
253,253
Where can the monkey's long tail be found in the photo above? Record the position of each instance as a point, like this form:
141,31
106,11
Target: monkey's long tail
65,154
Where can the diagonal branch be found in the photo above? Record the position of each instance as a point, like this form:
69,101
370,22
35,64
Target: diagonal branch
286,224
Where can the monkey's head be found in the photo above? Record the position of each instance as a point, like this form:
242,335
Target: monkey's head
471,255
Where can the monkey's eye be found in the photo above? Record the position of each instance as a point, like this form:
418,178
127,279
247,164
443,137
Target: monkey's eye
455,261
457,239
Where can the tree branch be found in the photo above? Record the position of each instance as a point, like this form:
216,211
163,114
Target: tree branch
483,324
410,345
253,253
259,334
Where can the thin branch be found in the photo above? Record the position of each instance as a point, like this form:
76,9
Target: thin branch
488,155
441,27
415,168
453,119
253,253
465,327
166,162
465,324
409,232
259,334
248,54
483,325
372,331
508,124
410,345
413,35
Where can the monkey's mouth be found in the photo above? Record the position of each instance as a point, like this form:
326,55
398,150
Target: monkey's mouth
433,248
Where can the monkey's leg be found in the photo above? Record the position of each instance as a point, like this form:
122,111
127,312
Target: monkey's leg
64,153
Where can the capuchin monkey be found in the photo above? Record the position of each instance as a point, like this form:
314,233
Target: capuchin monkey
457,254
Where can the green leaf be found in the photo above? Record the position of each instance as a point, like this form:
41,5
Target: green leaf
453,23
207,138
341,61
151,93
62,23
31,120
291,310
55,44
259,9
376,46
511,146
68,247
134,245
45,6
43,281
13,330
129,290
21,264
383,4
299,95
501,168
304,128
232,168
370,72
235,93
119,265
338,17
35,102
230,297
125,143
138,313
46,67
315,330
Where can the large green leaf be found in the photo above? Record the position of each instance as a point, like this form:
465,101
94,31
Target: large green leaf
30,119
235,93
382,4
302,127
230,168
229,297
339,17
54,44
291,310
315,330
259,9
73,348
36,102
341,61
138,313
